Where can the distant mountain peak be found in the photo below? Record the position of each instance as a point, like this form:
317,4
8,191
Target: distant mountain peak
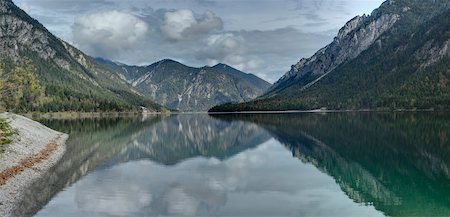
188,88
223,65
168,61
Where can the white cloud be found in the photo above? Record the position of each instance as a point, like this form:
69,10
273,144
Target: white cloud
267,37
182,24
176,22
108,33
229,48
224,47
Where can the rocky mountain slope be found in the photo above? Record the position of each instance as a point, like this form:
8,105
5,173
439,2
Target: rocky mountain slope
251,78
185,88
398,57
40,72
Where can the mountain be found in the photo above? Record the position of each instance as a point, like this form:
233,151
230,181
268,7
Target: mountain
396,58
40,72
251,78
185,88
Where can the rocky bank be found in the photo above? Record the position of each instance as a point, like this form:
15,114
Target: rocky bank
34,150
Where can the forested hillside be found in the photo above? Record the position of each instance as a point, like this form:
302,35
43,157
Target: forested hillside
405,67
39,72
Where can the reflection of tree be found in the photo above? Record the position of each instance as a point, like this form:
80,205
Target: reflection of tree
96,143
397,162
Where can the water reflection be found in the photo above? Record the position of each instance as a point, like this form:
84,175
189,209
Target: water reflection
247,184
250,165
102,143
400,163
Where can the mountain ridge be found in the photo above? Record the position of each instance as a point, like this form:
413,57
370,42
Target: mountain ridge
186,88
63,77
405,66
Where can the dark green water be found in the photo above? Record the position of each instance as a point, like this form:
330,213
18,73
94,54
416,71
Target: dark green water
349,164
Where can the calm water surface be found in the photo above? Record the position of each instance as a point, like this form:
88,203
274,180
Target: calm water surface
250,165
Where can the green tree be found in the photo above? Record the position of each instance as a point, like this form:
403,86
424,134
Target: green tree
21,90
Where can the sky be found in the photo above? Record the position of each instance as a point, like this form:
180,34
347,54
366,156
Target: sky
263,37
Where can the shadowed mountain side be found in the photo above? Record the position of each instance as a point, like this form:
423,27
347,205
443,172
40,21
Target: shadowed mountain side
97,143
405,177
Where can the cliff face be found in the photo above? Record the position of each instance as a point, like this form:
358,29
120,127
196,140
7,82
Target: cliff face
355,37
185,88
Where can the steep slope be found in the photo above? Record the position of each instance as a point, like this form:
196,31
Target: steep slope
398,57
185,88
251,78
39,72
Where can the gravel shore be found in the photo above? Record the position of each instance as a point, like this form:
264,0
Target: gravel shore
34,150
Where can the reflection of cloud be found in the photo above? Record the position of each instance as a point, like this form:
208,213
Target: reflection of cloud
180,203
265,181
116,200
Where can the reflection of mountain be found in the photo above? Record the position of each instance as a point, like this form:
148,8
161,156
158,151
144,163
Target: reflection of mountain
247,184
91,142
186,136
95,143
399,162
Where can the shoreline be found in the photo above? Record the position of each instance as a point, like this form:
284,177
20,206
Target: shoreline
327,111
75,115
34,150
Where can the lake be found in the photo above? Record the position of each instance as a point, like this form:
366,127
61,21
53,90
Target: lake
335,164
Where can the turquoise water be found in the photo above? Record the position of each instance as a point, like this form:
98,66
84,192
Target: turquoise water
345,164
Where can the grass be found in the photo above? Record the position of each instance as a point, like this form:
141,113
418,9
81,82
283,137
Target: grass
5,133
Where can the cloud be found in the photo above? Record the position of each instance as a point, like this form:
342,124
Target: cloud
229,48
221,46
193,39
182,24
67,6
265,53
264,38
108,33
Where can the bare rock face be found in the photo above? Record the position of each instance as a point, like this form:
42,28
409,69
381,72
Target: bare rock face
20,33
432,52
355,37
5,6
